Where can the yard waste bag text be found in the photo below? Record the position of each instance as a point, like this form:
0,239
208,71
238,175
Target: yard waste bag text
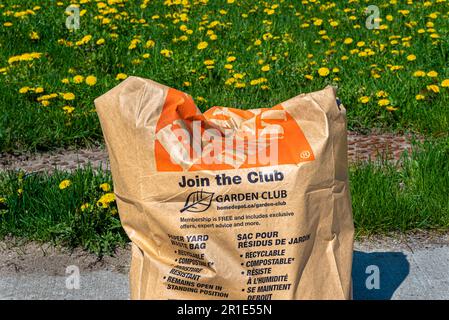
230,203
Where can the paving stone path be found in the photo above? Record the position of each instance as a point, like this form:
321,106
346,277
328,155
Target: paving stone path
360,148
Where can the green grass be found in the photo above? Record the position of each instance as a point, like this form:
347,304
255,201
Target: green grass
287,45
37,209
414,195
385,198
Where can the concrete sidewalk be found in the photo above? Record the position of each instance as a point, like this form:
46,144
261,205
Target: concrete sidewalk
421,274
406,272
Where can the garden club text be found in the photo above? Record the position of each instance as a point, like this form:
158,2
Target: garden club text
222,179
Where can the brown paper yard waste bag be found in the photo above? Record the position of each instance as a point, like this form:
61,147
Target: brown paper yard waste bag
230,204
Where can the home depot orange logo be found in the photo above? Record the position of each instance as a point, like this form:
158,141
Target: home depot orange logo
225,138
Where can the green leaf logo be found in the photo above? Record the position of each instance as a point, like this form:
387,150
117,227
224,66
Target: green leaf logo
198,201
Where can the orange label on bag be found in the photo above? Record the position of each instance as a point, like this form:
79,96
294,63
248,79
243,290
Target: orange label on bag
225,138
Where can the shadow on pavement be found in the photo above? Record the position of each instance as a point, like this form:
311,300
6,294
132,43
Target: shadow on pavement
393,268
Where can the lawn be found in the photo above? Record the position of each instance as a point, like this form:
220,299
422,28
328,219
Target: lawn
244,54
78,209
234,53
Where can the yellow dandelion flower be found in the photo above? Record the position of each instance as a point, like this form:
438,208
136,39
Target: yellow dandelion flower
68,109
318,22
85,206
419,73
78,79
166,53
106,199
254,82
348,41
381,94
364,99
383,102
265,68
231,59
434,88
323,71
91,80
411,57
308,77
24,90
395,68
149,44
432,74
445,83
105,187
68,96
420,97
24,57
34,35
121,76
64,184
202,45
